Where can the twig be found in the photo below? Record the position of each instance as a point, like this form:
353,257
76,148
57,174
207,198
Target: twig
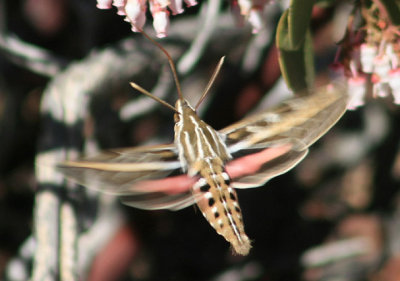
336,251
209,16
29,56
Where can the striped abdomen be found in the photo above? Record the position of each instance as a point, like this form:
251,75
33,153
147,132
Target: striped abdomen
220,207
203,153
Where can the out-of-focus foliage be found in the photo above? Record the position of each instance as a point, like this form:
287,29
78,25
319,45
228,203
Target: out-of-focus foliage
294,42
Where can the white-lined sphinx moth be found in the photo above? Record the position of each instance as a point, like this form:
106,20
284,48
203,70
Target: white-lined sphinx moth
203,166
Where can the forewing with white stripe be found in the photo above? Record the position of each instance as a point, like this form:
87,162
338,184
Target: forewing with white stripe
137,175
274,141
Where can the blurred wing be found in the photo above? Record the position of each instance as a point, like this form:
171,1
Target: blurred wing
158,200
136,175
263,146
274,141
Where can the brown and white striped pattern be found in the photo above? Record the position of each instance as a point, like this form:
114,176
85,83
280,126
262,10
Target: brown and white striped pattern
203,152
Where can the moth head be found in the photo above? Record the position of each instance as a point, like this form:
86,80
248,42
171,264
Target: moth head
179,107
177,117
183,108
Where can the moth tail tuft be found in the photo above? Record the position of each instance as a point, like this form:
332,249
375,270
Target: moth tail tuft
242,248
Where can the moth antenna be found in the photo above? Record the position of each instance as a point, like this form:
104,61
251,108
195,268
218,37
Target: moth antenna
170,61
147,93
211,82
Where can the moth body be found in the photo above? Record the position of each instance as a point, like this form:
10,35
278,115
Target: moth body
203,153
203,166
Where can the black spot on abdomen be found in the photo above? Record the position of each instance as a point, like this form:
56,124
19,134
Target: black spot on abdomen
205,188
211,202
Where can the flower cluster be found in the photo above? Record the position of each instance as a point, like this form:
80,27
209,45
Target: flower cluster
375,61
135,12
378,65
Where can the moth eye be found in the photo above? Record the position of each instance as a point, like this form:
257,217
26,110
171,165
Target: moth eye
177,118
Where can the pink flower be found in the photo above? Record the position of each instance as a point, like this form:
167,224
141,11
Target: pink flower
104,4
191,3
356,88
176,7
382,67
119,3
379,87
160,18
394,83
252,11
136,13
367,54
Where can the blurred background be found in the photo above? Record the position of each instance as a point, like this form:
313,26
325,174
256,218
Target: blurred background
64,88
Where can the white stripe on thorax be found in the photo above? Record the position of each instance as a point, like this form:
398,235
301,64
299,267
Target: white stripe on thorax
189,147
200,152
201,136
178,143
214,137
219,141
